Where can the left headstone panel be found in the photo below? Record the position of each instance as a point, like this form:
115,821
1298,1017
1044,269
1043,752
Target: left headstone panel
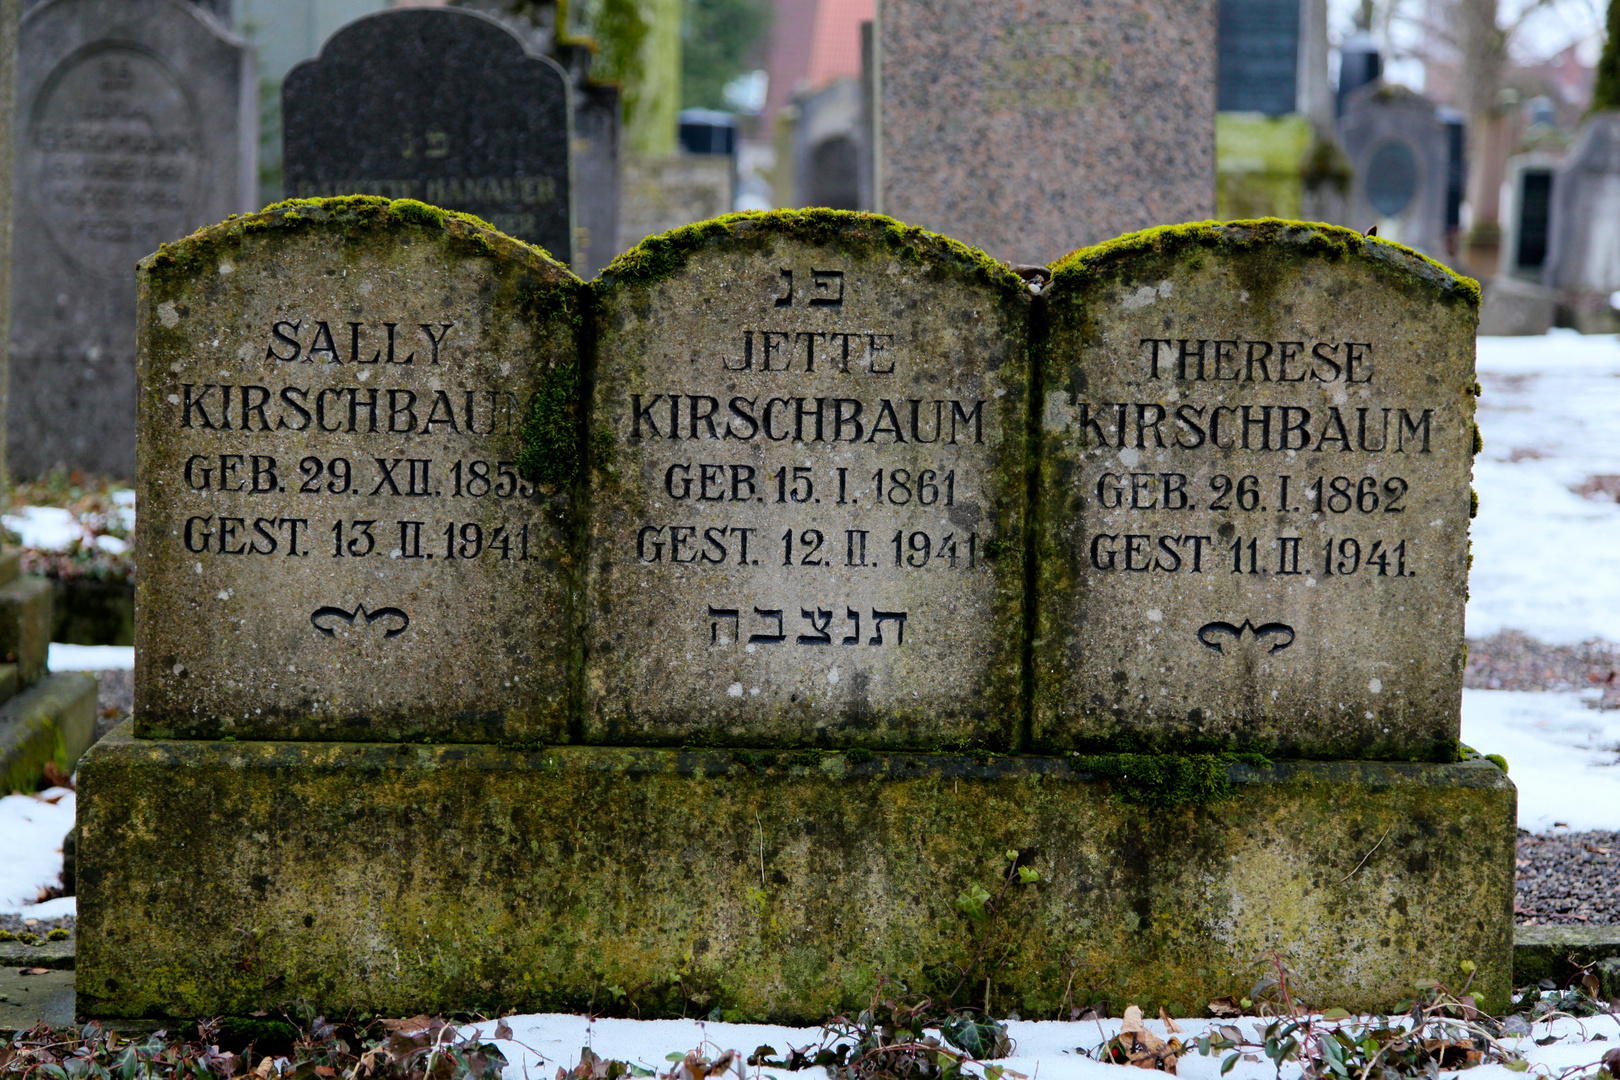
135,124
335,541
438,104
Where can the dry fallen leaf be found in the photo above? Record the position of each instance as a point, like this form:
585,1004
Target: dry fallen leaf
1594,849
503,1030
413,1026
1170,1025
1142,1048
1225,1008
35,971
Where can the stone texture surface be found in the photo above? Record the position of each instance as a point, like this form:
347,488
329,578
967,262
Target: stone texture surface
10,14
334,540
785,395
1182,598
424,878
52,721
437,104
139,120
1030,129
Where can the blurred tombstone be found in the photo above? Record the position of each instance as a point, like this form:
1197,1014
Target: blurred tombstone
697,183
1515,300
442,105
828,144
1258,56
138,121
1583,251
1399,151
1031,129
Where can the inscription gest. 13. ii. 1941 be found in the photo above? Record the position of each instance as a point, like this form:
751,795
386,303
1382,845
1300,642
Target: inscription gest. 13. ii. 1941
330,488
815,446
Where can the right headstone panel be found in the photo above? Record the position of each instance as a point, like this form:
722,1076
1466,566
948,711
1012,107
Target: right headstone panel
1254,494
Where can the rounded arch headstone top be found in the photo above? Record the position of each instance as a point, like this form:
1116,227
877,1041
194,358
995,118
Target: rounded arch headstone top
443,105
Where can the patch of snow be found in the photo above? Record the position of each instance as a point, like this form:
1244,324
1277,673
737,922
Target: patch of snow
1563,756
63,657
1047,1050
45,527
31,856
1544,558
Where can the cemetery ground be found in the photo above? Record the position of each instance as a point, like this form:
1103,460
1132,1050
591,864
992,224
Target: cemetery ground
1542,689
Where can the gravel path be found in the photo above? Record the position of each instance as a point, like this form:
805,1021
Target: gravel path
1571,879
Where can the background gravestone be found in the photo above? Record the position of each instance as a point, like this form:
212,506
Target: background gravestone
1008,126
1399,154
1583,263
809,532
136,125
335,543
1255,495
441,105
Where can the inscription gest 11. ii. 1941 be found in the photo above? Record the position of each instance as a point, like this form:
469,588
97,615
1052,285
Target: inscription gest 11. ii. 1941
331,513
810,549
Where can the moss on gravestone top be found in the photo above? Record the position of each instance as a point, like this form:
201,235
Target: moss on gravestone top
360,215
1173,243
657,257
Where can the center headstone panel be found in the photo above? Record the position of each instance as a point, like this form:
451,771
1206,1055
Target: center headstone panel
807,530
1254,495
335,542
442,105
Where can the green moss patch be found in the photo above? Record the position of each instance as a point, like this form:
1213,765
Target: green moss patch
659,256
551,450
1166,780
1177,243
349,214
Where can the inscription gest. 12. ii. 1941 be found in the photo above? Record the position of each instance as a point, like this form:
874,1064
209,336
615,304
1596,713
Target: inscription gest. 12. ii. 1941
330,488
815,477
1262,498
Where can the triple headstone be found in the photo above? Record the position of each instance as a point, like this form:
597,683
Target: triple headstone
138,121
798,570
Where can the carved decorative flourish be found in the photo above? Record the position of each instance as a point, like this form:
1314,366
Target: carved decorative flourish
1209,632
328,614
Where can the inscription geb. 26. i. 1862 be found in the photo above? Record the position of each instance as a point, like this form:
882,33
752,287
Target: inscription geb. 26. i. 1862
1321,495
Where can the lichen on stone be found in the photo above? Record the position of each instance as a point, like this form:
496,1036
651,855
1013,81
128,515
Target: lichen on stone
1191,241
657,257
1164,781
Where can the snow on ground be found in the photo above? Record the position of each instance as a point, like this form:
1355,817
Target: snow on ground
1049,1050
53,528
31,856
90,657
1561,754
1545,559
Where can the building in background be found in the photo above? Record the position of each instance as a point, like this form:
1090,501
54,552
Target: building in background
818,105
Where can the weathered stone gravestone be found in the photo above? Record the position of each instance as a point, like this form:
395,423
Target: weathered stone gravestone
332,399
442,105
785,738
1583,261
1398,148
1002,125
137,125
810,534
1258,443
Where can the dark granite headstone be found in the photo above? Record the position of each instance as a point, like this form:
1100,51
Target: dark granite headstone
1400,156
1258,56
136,124
442,105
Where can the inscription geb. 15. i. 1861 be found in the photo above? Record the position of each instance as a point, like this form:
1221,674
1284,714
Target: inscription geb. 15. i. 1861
818,494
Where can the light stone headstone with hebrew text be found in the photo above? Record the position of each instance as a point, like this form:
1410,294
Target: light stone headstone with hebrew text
1255,495
809,489
335,542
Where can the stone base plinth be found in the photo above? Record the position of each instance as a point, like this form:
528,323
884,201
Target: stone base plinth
223,877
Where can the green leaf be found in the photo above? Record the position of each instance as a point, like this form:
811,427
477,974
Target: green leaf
674,1055
1336,1014
1226,1066
1011,855
1517,1064
1028,875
